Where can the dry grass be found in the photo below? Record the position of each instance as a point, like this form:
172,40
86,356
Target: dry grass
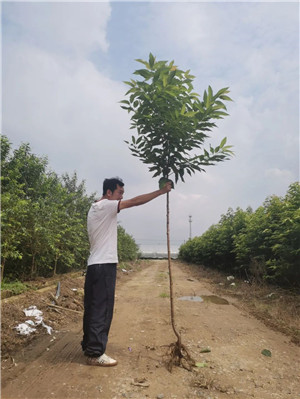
203,381
278,308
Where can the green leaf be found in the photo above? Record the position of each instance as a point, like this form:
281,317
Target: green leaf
210,93
204,96
171,76
129,83
205,350
144,73
165,78
143,62
190,114
157,173
221,91
159,64
132,90
219,114
266,352
200,365
227,150
225,98
151,60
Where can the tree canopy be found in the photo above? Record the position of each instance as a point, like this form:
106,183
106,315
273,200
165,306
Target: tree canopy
172,121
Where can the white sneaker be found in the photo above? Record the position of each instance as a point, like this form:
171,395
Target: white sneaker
103,360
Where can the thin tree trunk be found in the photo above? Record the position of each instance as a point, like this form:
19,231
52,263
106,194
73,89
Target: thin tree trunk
33,267
178,353
55,265
170,273
2,268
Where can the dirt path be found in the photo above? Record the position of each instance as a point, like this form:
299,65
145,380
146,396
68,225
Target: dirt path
53,366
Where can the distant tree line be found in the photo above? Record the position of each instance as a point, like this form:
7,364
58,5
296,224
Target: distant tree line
43,220
263,245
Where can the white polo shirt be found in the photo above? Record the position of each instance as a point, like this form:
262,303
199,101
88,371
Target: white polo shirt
102,231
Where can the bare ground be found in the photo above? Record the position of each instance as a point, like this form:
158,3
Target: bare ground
225,339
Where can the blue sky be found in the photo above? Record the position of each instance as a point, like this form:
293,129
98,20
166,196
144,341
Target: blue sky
63,69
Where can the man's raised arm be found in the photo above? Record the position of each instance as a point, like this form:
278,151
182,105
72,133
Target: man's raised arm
144,198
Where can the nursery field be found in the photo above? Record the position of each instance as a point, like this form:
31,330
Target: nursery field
242,348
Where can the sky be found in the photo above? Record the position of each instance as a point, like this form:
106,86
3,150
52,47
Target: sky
63,70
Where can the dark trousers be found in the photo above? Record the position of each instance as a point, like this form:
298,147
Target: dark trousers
99,296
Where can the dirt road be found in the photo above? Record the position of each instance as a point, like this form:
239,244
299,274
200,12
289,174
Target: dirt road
222,338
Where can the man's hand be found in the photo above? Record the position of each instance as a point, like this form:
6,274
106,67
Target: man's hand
167,187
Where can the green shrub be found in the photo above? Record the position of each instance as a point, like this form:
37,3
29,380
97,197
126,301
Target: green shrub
264,245
15,287
128,250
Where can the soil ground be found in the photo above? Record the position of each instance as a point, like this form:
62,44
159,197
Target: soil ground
222,336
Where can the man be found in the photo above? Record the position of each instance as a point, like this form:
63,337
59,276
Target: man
99,288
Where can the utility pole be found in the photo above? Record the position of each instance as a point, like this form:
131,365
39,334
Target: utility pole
190,221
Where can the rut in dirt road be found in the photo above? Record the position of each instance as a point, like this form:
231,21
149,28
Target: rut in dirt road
225,341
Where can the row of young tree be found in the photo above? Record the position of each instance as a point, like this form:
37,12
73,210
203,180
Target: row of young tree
263,245
44,218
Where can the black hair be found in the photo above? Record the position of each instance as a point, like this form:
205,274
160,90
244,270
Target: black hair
111,184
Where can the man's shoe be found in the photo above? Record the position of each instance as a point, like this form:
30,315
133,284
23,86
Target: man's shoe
103,361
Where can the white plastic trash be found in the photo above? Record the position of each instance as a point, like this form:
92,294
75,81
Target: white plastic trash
25,329
28,327
32,311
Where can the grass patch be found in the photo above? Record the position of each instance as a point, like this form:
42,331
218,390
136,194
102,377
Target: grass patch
125,266
13,288
164,295
130,266
161,276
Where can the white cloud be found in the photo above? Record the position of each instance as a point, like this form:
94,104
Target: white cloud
285,175
66,28
72,108
63,105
